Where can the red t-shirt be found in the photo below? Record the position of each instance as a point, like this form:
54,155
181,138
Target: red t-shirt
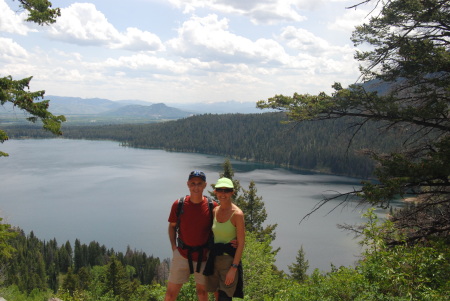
195,224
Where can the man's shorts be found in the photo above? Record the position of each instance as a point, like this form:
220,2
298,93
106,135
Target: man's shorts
179,270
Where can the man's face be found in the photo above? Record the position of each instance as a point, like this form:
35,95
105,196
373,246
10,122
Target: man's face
196,185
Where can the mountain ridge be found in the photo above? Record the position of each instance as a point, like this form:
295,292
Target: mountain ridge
68,105
154,111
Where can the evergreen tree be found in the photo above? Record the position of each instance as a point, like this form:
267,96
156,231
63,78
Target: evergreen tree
51,258
65,257
409,55
14,91
6,250
300,267
118,280
228,172
252,205
40,11
32,264
78,256
84,278
70,282
261,279
255,213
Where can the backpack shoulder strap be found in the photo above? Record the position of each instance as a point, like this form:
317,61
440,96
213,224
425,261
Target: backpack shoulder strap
180,206
211,207
211,216
179,212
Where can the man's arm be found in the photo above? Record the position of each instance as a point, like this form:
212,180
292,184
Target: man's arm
173,236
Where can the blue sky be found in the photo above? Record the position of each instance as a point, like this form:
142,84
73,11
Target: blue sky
183,51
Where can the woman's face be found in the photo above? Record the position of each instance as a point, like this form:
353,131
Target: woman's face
223,194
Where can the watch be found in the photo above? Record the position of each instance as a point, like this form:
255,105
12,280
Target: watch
234,265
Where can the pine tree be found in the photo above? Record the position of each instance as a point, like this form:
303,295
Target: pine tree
15,91
70,282
407,74
251,204
65,257
118,280
228,172
299,268
6,250
255,213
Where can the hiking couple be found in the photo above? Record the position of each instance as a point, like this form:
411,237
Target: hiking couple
213,259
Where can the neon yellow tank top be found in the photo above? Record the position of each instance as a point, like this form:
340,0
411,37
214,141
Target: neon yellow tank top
224,232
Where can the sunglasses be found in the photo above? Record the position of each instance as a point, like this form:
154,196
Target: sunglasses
224,189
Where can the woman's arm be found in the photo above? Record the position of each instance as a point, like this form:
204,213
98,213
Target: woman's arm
240,233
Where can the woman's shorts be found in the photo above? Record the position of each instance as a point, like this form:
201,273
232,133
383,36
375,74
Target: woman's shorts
216,281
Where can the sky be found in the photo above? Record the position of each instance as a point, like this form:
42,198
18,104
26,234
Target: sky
183,51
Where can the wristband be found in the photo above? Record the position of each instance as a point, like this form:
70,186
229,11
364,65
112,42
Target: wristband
234,265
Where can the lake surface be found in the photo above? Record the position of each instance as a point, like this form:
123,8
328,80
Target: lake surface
119,197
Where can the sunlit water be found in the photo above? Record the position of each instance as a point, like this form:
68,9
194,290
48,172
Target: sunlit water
119,197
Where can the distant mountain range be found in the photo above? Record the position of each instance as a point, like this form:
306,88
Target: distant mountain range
139,108
154,112
96,109
142,109
105,110
230,106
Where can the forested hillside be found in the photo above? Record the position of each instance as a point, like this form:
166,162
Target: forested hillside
38,264
320,146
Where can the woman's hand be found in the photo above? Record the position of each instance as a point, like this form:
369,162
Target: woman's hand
231,274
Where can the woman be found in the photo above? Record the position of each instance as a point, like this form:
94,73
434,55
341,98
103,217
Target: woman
224,269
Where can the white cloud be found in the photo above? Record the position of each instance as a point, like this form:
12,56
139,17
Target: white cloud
302,40
350,19
215,55
11,22
136,39
259,11
11,52
317,59
72,56
307,43
208,39
144,63
82,23
56,68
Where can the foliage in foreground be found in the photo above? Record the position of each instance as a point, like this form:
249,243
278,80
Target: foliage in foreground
401,272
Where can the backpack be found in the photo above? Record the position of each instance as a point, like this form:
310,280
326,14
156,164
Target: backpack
190,249
180,212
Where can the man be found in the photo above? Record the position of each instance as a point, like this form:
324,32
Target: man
194,232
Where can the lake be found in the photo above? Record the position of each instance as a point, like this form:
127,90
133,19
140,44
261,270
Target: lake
119,197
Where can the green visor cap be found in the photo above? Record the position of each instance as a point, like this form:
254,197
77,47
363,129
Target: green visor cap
224,183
